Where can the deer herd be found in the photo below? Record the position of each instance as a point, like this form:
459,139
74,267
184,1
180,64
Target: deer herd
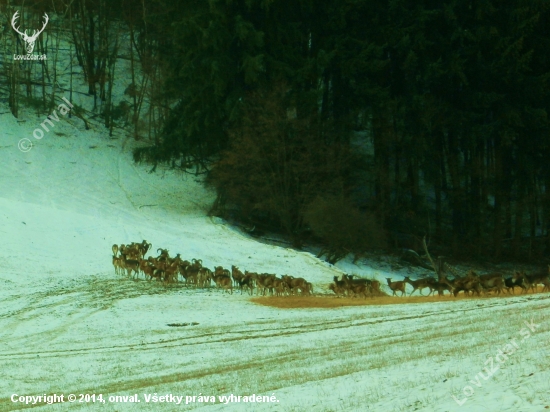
474,283
355,287
131,259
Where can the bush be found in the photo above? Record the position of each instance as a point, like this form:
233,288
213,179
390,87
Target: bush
277,163
343,228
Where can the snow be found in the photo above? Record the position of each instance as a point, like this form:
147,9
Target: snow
69,325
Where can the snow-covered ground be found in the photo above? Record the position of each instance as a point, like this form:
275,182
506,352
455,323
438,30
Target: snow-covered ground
69,325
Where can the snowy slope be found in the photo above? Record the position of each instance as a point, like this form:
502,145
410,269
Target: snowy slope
68,324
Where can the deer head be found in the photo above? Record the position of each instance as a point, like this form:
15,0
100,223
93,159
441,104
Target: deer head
29,40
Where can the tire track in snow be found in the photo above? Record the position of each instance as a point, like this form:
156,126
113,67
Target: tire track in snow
229,334
82,301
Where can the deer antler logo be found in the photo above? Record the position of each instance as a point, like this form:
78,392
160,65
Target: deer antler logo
29,40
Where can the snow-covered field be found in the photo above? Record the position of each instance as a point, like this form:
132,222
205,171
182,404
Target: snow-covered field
69,325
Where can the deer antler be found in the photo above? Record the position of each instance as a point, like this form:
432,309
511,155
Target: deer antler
35,34
15,16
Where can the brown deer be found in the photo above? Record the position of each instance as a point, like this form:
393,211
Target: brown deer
396,286
492,281
359,289
295,283
420,284
223,282
541,278
237,275
468,283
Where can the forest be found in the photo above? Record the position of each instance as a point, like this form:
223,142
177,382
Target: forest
358,125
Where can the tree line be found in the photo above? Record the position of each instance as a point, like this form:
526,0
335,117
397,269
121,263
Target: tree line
352,122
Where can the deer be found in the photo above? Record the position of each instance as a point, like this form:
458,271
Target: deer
261,283
470,282
441,287
492,281
396,286
340,286
204,277
218,270
29,40
130,265
171,273
143,265
164,255
268,283
224,282
517,279
248,284
143,247
375,287
192,272
337,290
295,284
372,285
117,263
420,284
159,274
133,250
177,260
130,252
350,282
182,266
359,289
532,281
237,275
114,248
149,271
279,287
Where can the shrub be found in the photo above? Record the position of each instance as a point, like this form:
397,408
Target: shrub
343,228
